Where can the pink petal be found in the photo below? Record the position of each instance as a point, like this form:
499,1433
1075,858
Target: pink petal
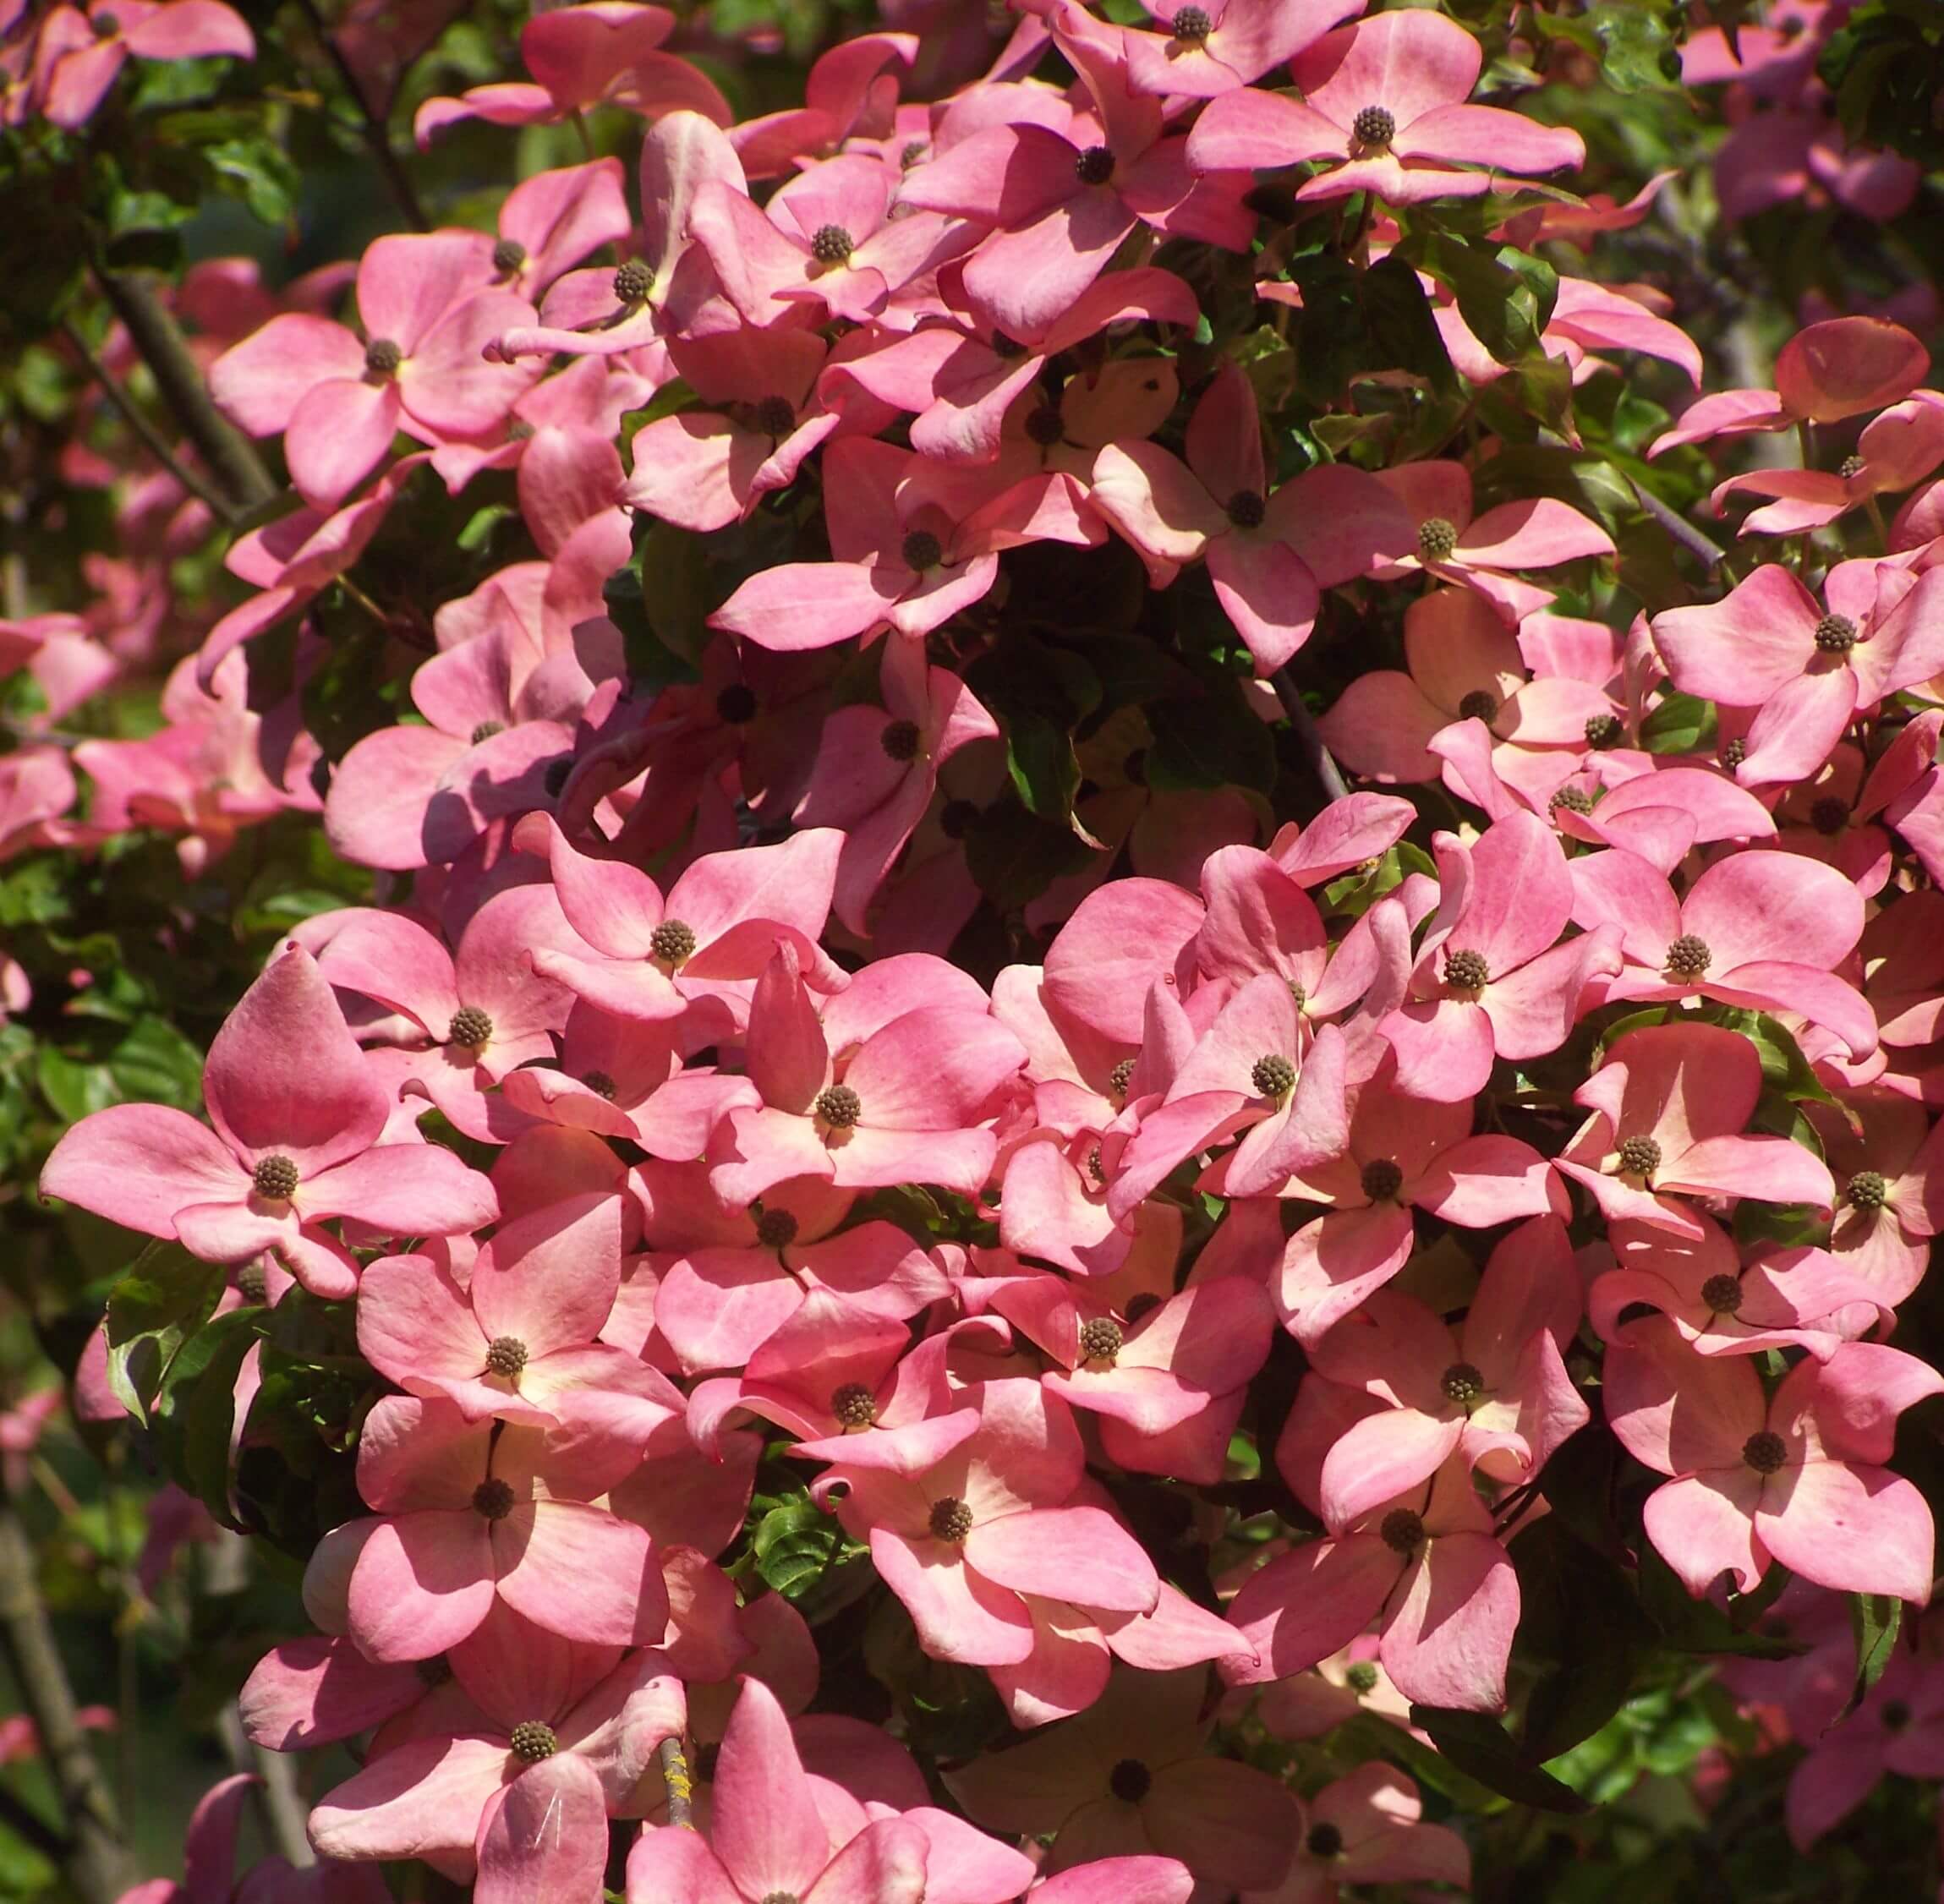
138,1164
1447,1639
545,1840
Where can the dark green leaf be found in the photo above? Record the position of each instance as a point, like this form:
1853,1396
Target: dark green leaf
1211,740
161,1303
1681,724
1479,1746
1874,1621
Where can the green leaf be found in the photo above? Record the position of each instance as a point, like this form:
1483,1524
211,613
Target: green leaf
1401,326
794,1544
1478,1745
1681,724
1505,295
1874,1621
1637,51
1013,858
1211,740
1566,1590
161,1302
195,1410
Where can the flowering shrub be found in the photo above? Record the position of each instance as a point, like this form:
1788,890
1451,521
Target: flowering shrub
939,967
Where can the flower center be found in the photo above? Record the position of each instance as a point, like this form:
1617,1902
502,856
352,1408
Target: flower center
382,357
1851,467
252,1284
1095,167
519,430
1734,754
1100,1340
1382,1179
1045,426
493,1499
1478,705
1765,1452
1829,816
839,1106
533,1741
735,704
776,1229
600,1084
1272,1075
1190,26
672,943
1376,125
470,1027
508,255
1603,731
1836,634
1867,1191
634,281
1402,1531
105,26
435,1671
1120,1077
915,150
1095,1168
855,1406
1465,971
952,1519
558,773
1436,537
1361,1677
1247,508
485,731
1689,957
505,1355
831,245
956,817
923,550
1895,1715
1722,1294
275,1178
1130,1781
1324,1840
1640,1157
1575,800
780,1897
776,416
900,740
1463,1382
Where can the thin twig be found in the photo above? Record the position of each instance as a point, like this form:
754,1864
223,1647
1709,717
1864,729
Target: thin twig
226,450
1329,775
377,133
675,1775
95,1857
1709,554
278,1804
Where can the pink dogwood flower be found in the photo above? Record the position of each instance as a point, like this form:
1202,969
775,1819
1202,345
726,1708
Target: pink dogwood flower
1217,508
1403,1153
1205,52
471,1512
1834,370
1368,1828
1770,645
1495,1390
912,543
1493,977
961,1542
1799,1477
1425,1567
429,310
1898,449
1670,1104
1384,99
1759,930
1130,1775
84,52
298,1116
1899,1727
1887,1157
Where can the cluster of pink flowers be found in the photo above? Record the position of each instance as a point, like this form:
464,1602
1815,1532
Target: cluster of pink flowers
1651,1035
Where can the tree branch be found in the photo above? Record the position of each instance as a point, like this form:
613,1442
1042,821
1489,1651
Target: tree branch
675,1774
1709,554
152,439
155,334
94,1856
377,133
1329,775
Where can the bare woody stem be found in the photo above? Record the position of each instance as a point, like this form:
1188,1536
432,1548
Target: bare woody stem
675,1775
1316,755
155,334
153,441
91,1850
377,133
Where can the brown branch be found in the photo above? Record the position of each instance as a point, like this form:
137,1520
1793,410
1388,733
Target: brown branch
94,1855
226,450
153,441
1329,775
377,133
1709,554
675,1775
